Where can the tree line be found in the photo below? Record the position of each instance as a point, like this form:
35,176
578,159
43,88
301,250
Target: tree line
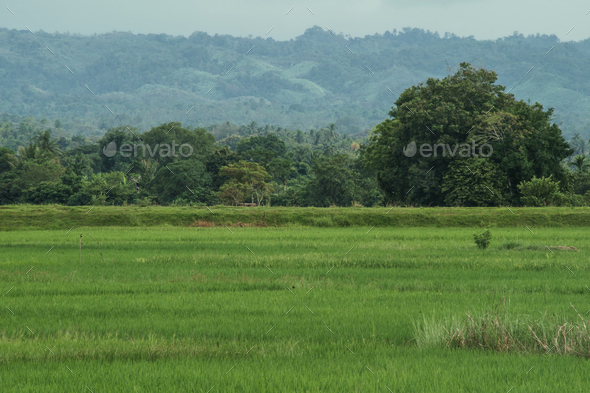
263,165
526,162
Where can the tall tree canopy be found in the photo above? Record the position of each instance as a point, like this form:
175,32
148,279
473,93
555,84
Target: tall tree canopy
449,120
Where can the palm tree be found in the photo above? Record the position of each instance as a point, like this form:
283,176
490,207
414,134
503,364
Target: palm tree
148,169
299,137
332,131
580,163
302,154
79,164
27,152
578,144
47,144
315,156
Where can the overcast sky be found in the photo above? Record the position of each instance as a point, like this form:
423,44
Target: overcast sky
483,19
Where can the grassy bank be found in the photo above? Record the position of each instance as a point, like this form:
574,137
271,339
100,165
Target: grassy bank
60,217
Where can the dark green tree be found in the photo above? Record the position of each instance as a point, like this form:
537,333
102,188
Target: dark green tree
109,148
473,182
183,182
581,163
333,182
7,159
440,121
261,149
165,141
282,169
245,179
221,157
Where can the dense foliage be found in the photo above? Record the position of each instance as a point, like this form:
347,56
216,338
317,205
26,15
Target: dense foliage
302,83
127,166
174,164
476,144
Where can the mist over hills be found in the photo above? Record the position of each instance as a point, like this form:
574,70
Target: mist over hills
95,82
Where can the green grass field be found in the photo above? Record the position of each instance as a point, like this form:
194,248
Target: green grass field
292,308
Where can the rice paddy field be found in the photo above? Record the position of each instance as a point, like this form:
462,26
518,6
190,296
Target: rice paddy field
301,308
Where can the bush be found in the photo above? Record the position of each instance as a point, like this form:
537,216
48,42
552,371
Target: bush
81,198
144,202
483,240
48,192
571,200
540,192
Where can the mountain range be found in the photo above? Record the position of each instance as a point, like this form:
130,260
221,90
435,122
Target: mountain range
95,82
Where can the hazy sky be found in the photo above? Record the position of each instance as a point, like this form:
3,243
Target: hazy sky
484,19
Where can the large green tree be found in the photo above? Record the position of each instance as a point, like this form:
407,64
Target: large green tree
245,179
333,182
261,149
443,120
198,143
281,168
183,181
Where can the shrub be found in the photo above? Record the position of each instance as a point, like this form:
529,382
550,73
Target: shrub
48,192
81,198
540,192
483,240
144,202
571,200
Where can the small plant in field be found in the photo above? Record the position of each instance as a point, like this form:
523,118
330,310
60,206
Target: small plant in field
483,240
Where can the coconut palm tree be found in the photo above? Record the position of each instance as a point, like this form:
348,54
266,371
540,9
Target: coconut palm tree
578,144
47,144
27,152
302,154
332,131
580,162
79,164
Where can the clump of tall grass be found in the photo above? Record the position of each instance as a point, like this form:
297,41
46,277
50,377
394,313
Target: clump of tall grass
508,246
507,333
521,247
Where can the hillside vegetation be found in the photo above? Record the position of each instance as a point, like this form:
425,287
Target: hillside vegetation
303,83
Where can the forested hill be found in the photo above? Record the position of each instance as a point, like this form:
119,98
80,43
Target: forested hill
318,78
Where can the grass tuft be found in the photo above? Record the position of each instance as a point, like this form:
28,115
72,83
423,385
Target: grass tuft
507,333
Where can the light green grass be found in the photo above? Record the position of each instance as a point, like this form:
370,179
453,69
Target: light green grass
173,309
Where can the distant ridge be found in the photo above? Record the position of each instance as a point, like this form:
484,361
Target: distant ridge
303,83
